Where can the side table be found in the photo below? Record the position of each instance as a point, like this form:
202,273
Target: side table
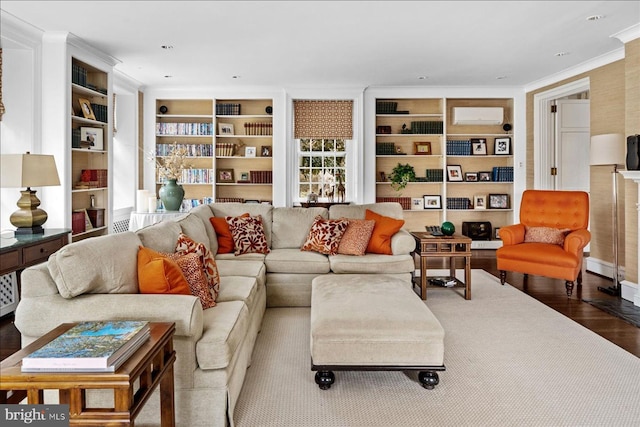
132,384
452,247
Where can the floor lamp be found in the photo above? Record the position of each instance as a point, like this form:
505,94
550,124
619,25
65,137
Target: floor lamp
609,150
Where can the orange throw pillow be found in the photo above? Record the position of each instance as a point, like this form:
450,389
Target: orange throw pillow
225,239
385,228
158,274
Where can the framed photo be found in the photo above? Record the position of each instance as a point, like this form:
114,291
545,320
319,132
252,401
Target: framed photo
382,177
432,202
225,129
484,176
249,151
496,235
498,201
265,151
91,138
471,176
454,173
502,146
225,175
244,177
417,203
423,148
480,201
383,130
87,111
478,147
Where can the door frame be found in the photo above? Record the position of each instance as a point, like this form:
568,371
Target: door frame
544,130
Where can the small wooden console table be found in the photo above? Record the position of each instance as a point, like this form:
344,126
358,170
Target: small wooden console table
452,247
132,384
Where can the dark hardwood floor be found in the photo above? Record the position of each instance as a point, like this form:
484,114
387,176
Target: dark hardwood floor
548,291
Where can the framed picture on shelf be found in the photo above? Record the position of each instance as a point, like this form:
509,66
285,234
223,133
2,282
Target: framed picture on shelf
417,203
249,151
471,176
382,177
422,148
478,147
225,175
502,146
383,130
87,111
480,201
484,176
498,201
265,151
91,138
496,234
225,129
432,201
454,173
244,177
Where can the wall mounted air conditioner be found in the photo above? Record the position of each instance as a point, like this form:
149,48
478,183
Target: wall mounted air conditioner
478,115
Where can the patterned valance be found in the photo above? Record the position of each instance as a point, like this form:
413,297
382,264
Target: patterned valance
323,119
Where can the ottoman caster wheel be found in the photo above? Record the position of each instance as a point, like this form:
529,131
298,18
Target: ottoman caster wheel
324,379
428,379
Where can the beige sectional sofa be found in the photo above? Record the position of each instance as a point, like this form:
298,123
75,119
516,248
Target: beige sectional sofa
96,279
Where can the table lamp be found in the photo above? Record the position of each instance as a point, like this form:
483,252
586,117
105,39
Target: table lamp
28,170
609,150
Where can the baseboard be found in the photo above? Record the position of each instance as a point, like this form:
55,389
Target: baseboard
629,292
602,268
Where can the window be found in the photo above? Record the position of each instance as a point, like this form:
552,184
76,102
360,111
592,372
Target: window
322,169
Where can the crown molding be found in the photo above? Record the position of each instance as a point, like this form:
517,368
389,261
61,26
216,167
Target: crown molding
628,34
17,33
79,43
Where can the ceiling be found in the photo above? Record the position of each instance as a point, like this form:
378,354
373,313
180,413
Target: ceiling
338,43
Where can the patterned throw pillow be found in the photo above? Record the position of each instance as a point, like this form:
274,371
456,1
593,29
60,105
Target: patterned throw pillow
554,236
186,245
225,239
248,235
192,270
325,235
356,237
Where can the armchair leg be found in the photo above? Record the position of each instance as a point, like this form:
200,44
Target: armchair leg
503,277
569,286
579,280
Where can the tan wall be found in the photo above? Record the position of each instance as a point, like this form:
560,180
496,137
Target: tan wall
607,94
632,127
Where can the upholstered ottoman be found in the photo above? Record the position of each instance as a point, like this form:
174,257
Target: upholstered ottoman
372,322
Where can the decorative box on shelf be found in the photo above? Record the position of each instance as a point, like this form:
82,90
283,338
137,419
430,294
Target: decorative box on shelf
96,215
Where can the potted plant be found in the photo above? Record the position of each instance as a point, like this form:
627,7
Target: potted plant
401,175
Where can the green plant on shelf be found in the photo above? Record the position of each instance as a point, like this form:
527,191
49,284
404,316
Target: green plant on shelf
401,175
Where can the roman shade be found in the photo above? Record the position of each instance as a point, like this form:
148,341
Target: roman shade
323,119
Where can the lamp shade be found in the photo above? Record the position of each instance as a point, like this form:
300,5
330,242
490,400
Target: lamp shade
28,170
608,149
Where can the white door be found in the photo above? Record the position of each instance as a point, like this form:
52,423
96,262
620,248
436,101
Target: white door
572,146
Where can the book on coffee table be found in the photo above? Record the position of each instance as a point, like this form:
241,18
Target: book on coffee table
89,347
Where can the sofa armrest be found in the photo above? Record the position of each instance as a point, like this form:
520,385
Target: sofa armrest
36,316
576,241
512,234
402,243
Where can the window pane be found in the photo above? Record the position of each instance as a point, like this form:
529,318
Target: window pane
321,167
329,145
316,145
304,145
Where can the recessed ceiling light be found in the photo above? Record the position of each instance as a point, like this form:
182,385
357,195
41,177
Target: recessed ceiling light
235,77
501,77
168,76
594,17
422,77
561,54
167,46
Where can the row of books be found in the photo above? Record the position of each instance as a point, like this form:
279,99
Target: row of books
184,129
89,347
227,109
502,174
458,203
261,177
427,127
405,202
258,128
225,149
433,175
386,107
241,200
194,176
101,112
97,176
385,148
193,150
458,147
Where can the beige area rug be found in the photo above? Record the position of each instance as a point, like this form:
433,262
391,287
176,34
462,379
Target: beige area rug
511,361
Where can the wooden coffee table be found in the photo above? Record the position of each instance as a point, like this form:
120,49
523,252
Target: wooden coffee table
132,384
452,247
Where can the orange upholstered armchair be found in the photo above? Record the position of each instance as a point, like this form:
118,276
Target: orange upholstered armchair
550,237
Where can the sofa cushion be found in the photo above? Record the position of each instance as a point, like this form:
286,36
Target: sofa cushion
550,235
223,233
203,212
390,209
100,265
325,235
372,263
224,329
247,268
254,209
239,288
291,226
384,230
248,235
296,261
160,237
356,237
159,274
193,227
